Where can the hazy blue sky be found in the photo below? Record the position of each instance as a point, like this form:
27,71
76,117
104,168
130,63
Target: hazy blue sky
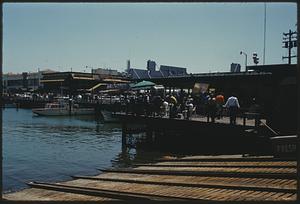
202,37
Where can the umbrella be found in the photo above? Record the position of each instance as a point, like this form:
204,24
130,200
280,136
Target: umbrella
143,85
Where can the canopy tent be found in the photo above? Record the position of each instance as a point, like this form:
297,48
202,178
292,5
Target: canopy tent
142,85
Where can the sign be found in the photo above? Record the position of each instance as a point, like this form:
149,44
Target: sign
200,88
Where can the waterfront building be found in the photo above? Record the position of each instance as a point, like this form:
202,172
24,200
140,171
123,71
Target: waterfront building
106,72
163,72
71,83
25,81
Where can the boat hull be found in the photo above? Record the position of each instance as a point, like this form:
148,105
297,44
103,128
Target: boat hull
63,112
108,116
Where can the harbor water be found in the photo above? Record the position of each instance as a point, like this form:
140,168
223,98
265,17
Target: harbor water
52,149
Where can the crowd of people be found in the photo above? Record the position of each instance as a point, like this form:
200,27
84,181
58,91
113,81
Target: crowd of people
181,105
176,104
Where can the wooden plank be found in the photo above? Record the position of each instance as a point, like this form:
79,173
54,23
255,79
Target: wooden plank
211,165
222,185
205,173
228,159
100,192
222,169
173,191
35,194
221,178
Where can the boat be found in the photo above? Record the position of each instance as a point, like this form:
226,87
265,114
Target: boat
109,116
62,109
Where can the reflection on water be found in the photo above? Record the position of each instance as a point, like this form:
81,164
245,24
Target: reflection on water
54,148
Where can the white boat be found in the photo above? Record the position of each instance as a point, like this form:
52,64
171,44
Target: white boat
109,116
62,109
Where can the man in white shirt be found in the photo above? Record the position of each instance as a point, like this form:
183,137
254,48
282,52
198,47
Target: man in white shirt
233,105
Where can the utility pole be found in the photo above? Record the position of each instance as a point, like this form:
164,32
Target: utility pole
265,25
290,41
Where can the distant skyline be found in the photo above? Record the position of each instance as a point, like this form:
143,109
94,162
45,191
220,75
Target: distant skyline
203,37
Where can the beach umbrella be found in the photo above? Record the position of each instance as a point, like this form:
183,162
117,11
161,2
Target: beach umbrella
143,85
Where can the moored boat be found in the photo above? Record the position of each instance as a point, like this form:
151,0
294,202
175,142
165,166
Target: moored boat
109,116
62,109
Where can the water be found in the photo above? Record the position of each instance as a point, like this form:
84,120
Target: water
52,149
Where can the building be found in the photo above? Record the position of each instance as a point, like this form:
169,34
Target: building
151,65
234,67
163,72
26,81
105,72
173,71
71,83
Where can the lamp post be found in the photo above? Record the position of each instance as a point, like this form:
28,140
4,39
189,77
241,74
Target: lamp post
245,59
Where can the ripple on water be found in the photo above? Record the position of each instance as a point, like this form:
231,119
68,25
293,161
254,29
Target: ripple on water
48,149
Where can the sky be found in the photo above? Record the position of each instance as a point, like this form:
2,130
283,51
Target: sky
202,37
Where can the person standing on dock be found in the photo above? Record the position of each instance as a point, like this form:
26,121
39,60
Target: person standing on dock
165,108
211,108
233,105
220,101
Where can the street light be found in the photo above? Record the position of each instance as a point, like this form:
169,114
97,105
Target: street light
255,58
245,59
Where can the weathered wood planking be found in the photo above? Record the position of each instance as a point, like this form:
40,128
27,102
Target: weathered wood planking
219,178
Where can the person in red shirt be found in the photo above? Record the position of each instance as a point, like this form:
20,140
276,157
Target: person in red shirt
220,102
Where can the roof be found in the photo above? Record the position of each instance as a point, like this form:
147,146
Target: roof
84,78
156,74
51,80
286,69
116,80
139,73
229,74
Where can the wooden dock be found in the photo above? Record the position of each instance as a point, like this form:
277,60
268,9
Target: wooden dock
225,120
195,178
196,135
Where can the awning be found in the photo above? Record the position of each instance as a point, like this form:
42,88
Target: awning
83,78
116,80
143,85
96,86
51,80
